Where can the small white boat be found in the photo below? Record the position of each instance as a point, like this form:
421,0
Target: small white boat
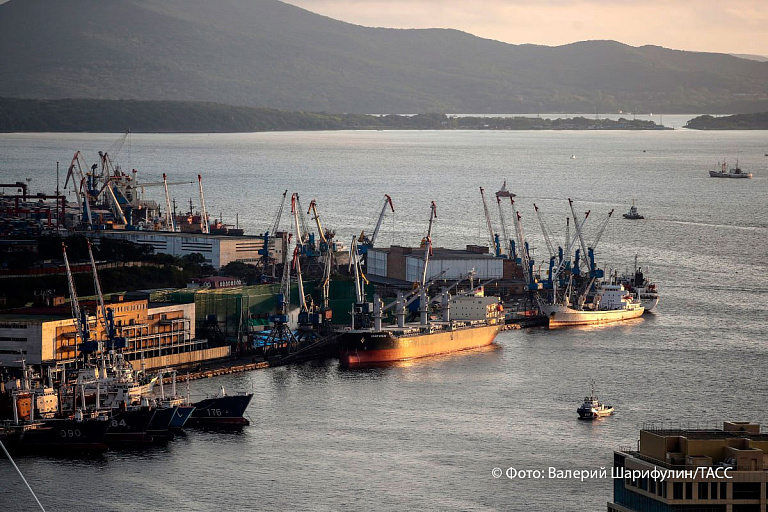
592,408
724,172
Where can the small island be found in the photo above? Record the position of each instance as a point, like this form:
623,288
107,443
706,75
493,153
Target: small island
114,116
758,121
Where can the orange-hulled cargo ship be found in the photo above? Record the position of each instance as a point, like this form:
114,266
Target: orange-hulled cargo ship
476,322
360,348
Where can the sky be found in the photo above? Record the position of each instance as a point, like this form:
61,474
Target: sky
721,26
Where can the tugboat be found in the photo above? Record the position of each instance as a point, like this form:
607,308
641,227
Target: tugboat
644,289
632,214
592,408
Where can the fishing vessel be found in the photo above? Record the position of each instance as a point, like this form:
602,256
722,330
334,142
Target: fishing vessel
734,172
592,408
610,303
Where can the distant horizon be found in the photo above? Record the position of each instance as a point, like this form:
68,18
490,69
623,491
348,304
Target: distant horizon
687,25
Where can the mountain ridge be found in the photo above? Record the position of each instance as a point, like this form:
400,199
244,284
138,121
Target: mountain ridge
265,53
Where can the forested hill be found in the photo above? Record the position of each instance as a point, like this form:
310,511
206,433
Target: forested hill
114,116
265,53
758,121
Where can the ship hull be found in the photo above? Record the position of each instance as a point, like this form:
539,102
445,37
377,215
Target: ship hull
362,348
717,174
58,436
587,414
221,411
182,415
649,301
129,427
562,316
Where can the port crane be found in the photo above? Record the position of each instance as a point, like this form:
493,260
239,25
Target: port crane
78,173
427,241
80,317
326,236
522,244
578,233
204,224
401,303
492,237
369,242
546,232
107,315
594,272
264,251
170,222
362,309
503,192
281,335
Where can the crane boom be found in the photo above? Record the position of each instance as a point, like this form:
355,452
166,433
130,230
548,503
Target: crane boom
297,266
578,228
169,220
569,248
295,213
313,209
82,328
600,231
304,236
204,224
524,256
276,224
97,287
387,201
488,220
545,231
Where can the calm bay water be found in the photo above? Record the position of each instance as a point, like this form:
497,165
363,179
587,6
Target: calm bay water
426,434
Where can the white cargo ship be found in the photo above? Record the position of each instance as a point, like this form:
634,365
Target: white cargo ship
611,303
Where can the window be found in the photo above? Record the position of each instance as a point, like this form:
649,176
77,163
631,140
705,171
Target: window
746,490
652,486
703,490
13,325
713,486
677,490
688,490
723,490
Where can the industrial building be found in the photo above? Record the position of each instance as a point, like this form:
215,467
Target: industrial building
706,470
156,335
218,250
405,265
